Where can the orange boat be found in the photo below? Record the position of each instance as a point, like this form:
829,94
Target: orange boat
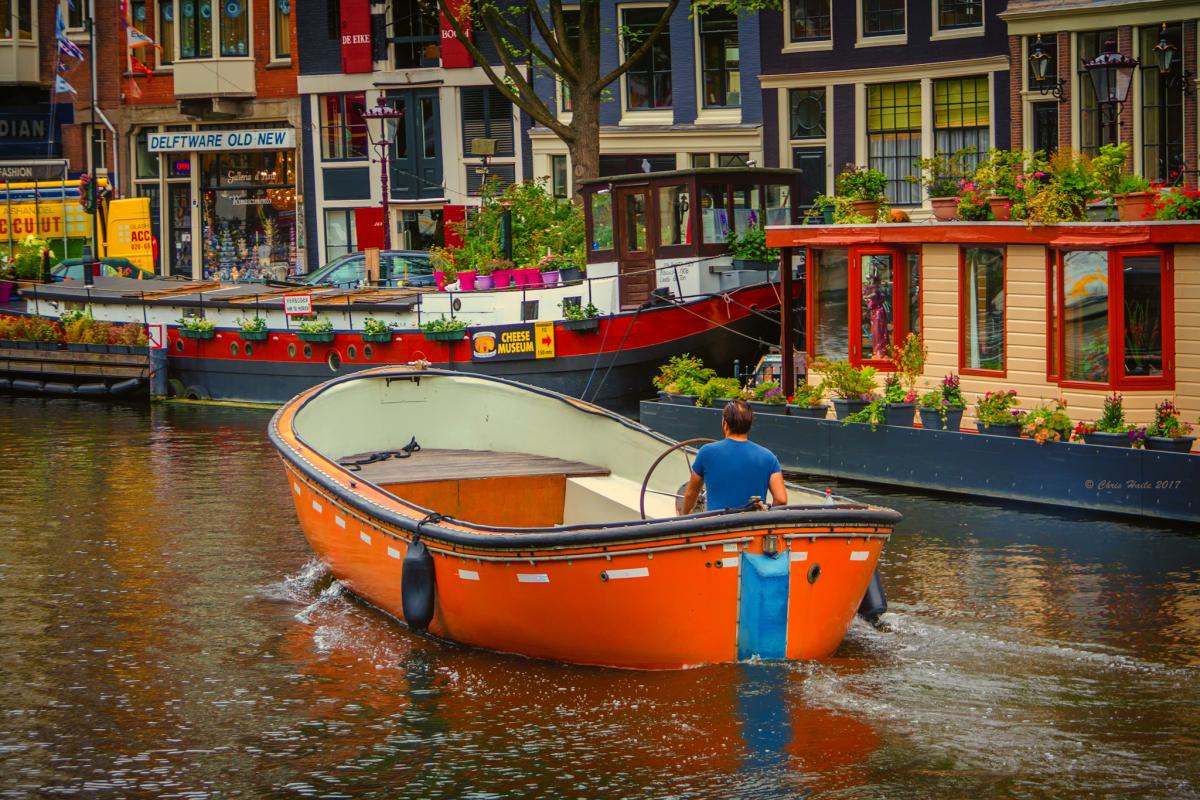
512,518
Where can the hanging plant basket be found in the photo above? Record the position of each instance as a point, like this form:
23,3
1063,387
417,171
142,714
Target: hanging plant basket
446,336
254,336
188,333
326,336
581,324
377,337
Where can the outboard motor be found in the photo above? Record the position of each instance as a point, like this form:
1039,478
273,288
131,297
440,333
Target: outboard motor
417,586
874,603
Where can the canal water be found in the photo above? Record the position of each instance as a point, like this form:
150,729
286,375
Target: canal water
164,632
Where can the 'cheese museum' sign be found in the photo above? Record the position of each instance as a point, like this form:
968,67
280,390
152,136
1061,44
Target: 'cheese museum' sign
513,342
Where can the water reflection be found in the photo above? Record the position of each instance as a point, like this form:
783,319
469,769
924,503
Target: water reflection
166,632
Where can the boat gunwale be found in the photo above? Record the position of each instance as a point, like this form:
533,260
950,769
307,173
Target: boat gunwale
498,538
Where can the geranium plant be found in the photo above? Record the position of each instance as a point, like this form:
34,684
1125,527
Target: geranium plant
197,324
999,408
807,395
1176,203
1048,423
377,327
947,396
943,175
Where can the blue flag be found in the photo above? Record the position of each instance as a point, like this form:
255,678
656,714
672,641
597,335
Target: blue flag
61,86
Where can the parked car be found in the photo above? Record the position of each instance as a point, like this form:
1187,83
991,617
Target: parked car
396,268
71,269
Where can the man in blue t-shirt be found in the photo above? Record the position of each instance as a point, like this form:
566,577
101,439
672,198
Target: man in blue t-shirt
735,469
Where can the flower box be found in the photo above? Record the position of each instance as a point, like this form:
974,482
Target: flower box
1131,207
1108,439
1001,207
570,275
581,324
91,348
322,336
867,208
77,347
445,336
844,408
899,415
760,407
931,419
682,399
945,209
819,411
1178,444
376,337
996,429
190,333
254,336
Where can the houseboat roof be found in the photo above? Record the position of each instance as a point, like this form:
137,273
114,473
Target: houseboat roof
744,173
1067,234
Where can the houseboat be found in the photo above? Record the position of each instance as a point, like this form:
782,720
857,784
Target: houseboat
659,277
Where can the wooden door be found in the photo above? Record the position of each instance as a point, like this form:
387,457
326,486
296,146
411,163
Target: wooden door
635,250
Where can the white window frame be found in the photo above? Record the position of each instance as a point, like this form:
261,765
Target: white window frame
790,46
216,36
861,40
276,60
956,33
80,29
665,116
716,114
787,144
560,88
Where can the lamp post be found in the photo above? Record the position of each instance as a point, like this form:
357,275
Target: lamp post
1111,73
1165,52
382,123
1040,64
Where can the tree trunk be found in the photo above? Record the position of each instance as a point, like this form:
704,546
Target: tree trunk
585,147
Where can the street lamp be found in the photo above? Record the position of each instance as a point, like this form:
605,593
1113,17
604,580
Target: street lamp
1165,52
1111,73
382,123
1040,63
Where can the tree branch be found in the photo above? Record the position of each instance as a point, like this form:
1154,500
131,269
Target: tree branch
555,44
642,49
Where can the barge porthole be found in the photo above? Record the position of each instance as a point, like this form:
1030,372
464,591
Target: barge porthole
179,345
368,352
249,349
308,351
334,361
291,349
351,352
234,349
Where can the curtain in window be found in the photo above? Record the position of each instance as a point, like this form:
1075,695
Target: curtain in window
234,27
894,137
831,310
983,308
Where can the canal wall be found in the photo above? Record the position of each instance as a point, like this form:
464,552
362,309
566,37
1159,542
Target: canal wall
1067,475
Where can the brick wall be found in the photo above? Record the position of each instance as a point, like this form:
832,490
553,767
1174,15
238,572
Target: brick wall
1191,131
1063,70
1016,107
1125,35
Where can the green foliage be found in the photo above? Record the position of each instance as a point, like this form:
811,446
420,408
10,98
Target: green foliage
769,392
909,358
861,183
893,390
377,327
443,325
199,324
683,374
253,325
847,381
1108,167
718,388
1177,202
875,414
1130,184
1048,423
318,325
807,395
999,408
943,175
1167,422
751,245
27,262
578,313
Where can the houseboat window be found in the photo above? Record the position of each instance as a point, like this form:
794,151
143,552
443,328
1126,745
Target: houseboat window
983,308
648,81
714,211
894,137
1093,130
602,221
719,59
779,204
878,308
961,116
960,13
1085,316
747,200
633,227
810,20
882,17
1142,290
830,310
913,260
1053,297
674,205
1162,107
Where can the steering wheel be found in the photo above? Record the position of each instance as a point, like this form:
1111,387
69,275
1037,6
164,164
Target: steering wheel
659,460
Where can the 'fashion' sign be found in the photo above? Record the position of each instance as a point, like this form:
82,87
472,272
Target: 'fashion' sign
196,141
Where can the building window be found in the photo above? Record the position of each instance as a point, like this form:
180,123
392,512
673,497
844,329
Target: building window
982,310
72,11
733,159
99,148
961,116
829,276
235,16
340,236
571,23
558,177
1095,128
960,14
6,19
147,162
416,34
343,129
195,29
720,63
806,113
487,114
502,175
166,31
25,19
701,160
810,20
894,137
882,17
648,81
1162,108
282,16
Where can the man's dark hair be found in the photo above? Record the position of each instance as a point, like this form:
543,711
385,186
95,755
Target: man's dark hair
738,416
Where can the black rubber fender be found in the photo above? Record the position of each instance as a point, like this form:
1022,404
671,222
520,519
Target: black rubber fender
22,385
126,386
874,602
91,389
176,387
64,389
417,586
5,383
195,392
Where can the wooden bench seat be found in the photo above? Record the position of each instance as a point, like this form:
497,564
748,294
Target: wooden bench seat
430,465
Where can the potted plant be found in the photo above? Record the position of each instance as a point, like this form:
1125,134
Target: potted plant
1048,423
27,263
997,413
864,186
942,176
716,392
900,389
570,271
376,330
873,413
1177,203
76,325
767,398
821,211
1131,194
483,275
853,388
680,379
943,407
192,327
1111,430
253,329
580,317
8,279
808,401
318,329
750,250
445,330
501,270
444,271
898,403
129,338
550,266
1168,432
1002,177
